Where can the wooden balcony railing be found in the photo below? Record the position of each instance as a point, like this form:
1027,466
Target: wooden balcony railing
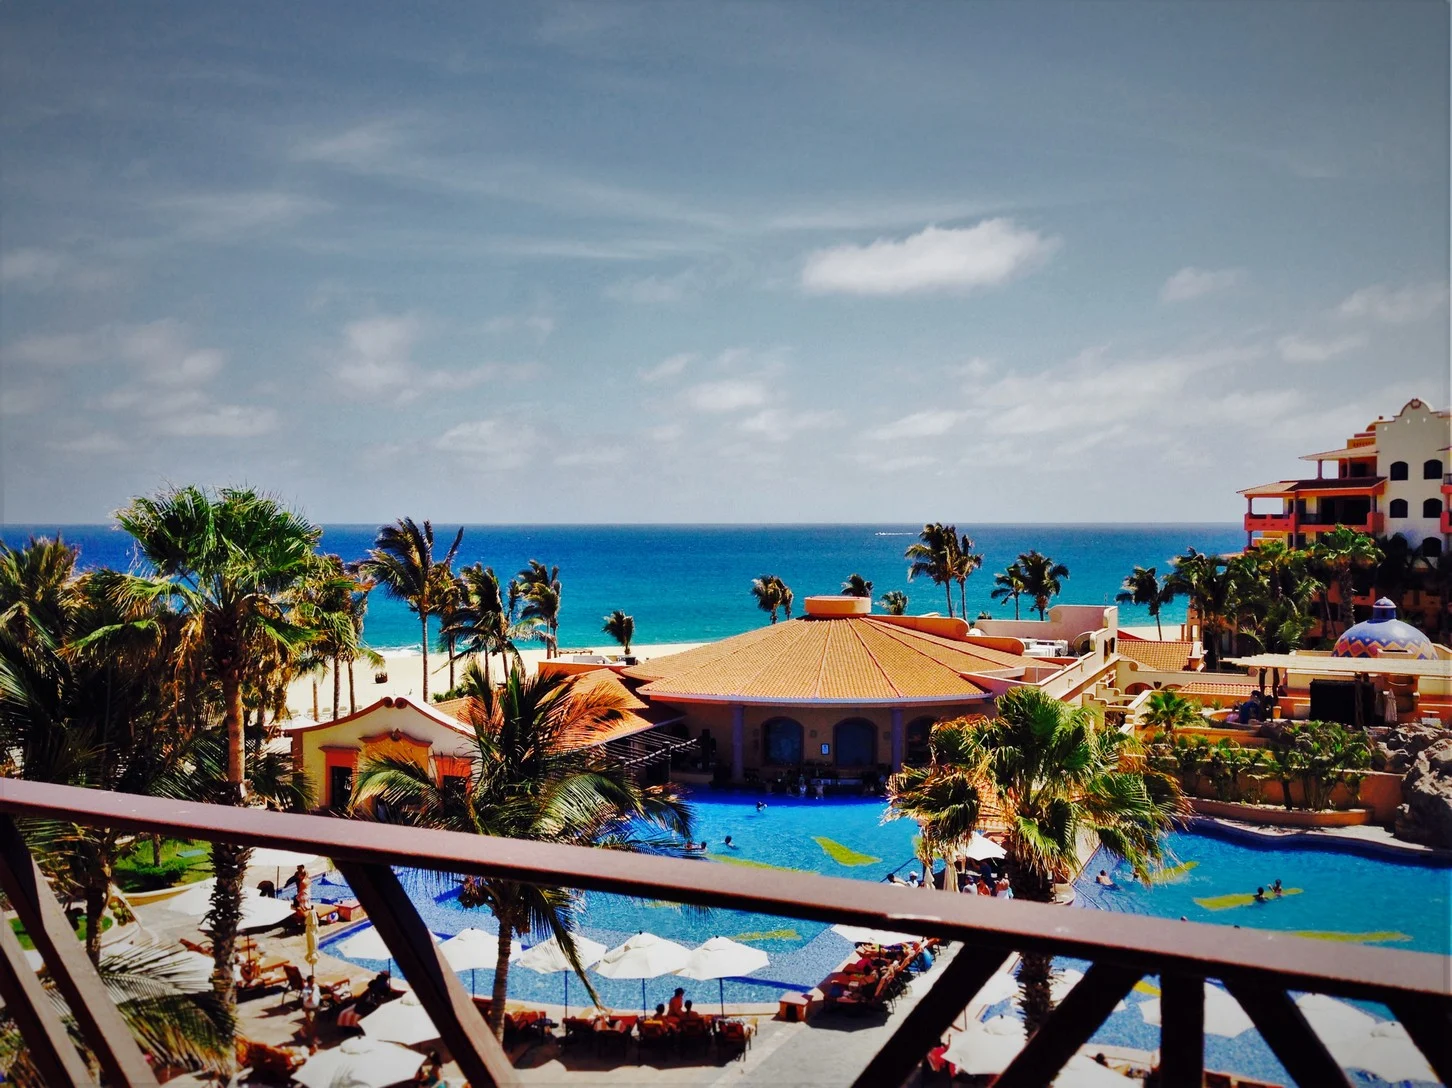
1260,969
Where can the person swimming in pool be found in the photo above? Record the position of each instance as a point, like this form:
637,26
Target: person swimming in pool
731,844
1276,889
1104,879
1260,895
760,806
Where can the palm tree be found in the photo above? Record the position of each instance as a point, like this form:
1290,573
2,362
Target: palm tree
1343,551
965,562
932,557
1169,711
1207,582
482,624
229,563
402,562
1008,584
772,595
326,604
621,628
450,601
1052,773
1143,587
894,602
527,781
539,589
1042,579
856,586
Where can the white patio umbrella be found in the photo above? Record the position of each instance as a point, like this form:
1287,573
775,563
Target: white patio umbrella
722,958
986,1047
547,957
401,1021
368,945
643,956
982,848
268,857
1000,987
862,935
471,949
1386,1051
1084,1072
359,1062
1223,1014
1334,1019
258,911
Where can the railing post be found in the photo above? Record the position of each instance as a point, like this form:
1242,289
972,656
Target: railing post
1069,1027
65,957
442,995
1429,1023
930,1017
51,1052
1182,1029
1284,1028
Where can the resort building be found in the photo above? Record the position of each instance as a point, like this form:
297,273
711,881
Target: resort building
842,692
330,753
1391,478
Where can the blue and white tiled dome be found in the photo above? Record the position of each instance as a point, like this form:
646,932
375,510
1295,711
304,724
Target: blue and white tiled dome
1381,634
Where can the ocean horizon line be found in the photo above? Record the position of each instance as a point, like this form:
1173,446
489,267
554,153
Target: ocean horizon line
691,524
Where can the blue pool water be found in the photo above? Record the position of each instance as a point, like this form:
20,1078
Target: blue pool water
1393,902
783,835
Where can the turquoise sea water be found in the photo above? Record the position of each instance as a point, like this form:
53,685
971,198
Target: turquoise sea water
692,583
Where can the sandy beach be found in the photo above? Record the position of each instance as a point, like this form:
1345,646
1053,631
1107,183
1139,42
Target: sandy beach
405,676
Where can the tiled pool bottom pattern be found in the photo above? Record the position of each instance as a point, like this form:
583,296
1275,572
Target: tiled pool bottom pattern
1394,902
856,844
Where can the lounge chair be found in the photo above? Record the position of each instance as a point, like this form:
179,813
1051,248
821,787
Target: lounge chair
655,1035
330,991
271,1061
694,1034
735,1035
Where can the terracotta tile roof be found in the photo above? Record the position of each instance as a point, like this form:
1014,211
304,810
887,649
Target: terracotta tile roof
861,659
636,715
1169,656
1227,687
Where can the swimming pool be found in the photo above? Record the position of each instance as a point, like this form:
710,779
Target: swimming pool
845,838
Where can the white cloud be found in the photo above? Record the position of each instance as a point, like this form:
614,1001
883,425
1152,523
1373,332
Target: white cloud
501,443
974,369
59,349
1300,349
160,351
1190,283
591,458
730,395
926,424
94,444
540,326
876,463
666,432
655,290
376,360
1395,306
220,421
780,424
31,267
935,259
667,368
238,215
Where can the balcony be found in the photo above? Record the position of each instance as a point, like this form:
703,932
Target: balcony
1373,523
1269,523
1260,969
1447,521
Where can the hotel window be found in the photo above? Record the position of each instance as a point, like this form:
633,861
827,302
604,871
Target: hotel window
1432,470
1398,470
782,741
1397,508
1432,508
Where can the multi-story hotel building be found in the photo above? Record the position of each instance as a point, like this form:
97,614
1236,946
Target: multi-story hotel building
1394,477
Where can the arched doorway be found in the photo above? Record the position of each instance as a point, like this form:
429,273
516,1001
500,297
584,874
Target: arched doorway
916,751
855,743
781,740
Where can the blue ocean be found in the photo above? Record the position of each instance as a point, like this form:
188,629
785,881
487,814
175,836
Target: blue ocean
690,583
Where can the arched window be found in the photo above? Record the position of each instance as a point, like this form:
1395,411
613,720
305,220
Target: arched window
782,742
1397,508
1398,470
1432,508
1432,470
1431,547
855,742
916,751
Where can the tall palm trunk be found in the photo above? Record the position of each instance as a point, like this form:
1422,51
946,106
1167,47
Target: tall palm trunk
1015,606
352,694
423,618
1032,884
963,598
229,863
1348,609
1159,630
948,592
501,977
316,716
98,889
451,662
232,719
337,687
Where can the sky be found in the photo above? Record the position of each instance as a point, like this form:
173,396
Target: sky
595,262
